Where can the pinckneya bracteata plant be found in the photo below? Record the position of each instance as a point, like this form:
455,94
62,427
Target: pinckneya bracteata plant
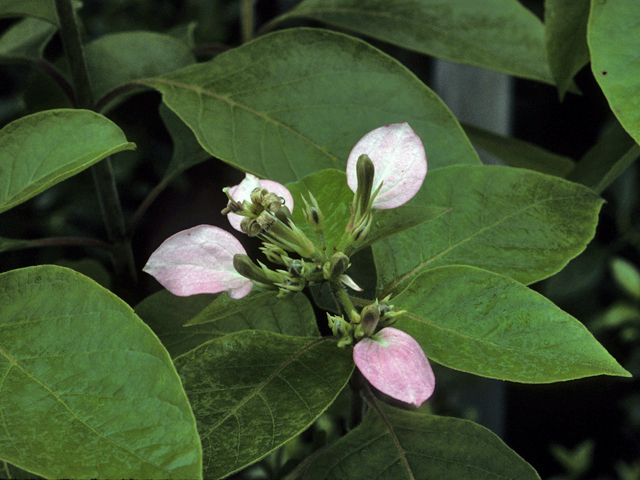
207,259
317,335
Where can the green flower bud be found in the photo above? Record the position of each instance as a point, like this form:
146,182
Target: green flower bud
260,274
336,266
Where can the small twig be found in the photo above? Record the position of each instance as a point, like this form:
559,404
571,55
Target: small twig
59,242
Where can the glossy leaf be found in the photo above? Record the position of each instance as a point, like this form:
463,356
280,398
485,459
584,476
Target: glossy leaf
614,43
490,325
26,39
252,391
612,154
518,153
392,444
87,389
283,117
168,316
566,39
119,58
511,221
498,35
45,148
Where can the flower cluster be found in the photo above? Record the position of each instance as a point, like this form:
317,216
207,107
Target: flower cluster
385,169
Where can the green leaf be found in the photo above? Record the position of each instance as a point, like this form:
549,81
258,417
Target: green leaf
613,153
252,391
511,221
43,9
498,35
566,39
187,152
614,44
392,444
87,390
627,276
169,317
222,306
518,153
286,116
490,325
45,148
26,39
119,58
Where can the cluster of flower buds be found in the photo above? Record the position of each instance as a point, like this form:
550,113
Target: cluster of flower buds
385,169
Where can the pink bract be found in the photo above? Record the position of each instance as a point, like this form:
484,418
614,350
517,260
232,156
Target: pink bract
395,364
243,191
199,260
400,160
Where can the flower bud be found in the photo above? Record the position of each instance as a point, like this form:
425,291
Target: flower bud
259,274
336,266
313,214
369,318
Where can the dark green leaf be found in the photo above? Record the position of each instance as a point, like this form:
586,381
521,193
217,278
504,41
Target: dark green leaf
614,44
498,35
169,315
518,153
511,221
252,391
119,58
490,325
566,39
45,148
222,306
87,389
43,9
606,160
286,116
187,152
26,39
392,444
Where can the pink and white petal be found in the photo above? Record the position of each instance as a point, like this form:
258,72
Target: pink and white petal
395,364
199,260
400,161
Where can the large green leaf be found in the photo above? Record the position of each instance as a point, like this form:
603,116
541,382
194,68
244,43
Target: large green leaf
566,39
518,153
511,221
499,35
252,391
167,315
615,45
119,58
490,325
284,116
26,39
45,148
87,388
392,444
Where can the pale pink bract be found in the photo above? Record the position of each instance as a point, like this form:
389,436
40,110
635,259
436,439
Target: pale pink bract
243,190
199,260
395,364
400,162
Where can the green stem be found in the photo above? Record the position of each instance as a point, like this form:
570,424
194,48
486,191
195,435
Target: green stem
342,299
57,242
247,19
70,34
157,190
103,177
